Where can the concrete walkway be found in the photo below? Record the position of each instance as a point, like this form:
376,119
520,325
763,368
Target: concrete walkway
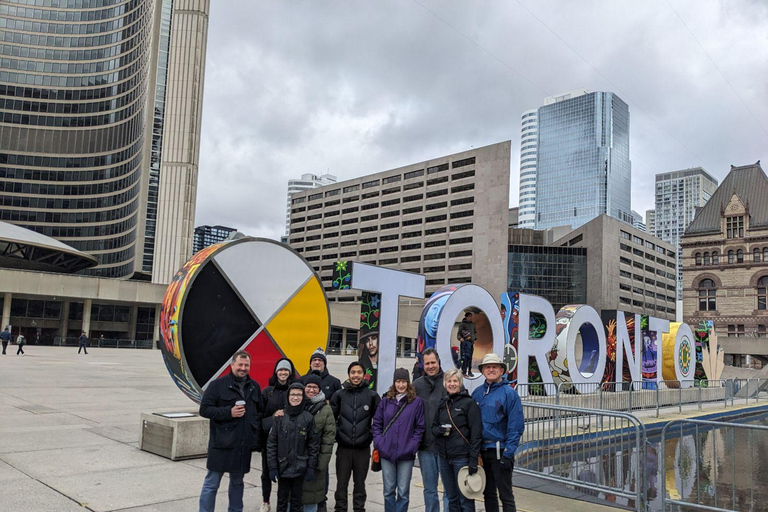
69,429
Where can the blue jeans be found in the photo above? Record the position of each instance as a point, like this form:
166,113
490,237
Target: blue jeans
397,484
211,486
449,472
429,475
310,508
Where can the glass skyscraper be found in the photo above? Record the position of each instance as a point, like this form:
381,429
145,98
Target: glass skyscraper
583,168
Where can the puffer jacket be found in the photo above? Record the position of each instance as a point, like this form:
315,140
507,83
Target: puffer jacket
274,398
314,491
402,439
432,391
293,444
465,414
502,412
231,440
354,407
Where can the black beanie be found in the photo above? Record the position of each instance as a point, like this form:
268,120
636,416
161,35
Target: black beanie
313,379
402,374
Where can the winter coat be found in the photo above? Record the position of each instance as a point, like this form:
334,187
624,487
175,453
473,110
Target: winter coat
467,326
293,445
328,385
432,391
354,407
502,414
466,416
5,336
274,398
82,340
231,440
325,424
402,440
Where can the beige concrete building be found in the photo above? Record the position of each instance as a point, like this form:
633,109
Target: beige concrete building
627,269
725,265
444,218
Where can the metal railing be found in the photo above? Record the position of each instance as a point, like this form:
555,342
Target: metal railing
104,343
731,479
644,395
584,448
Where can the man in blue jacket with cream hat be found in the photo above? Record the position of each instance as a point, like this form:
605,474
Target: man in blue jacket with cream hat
503,426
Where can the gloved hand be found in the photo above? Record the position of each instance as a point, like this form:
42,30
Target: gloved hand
273,475
472,469
506,462
310,475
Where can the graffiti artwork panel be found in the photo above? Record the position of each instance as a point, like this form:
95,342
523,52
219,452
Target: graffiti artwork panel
368,342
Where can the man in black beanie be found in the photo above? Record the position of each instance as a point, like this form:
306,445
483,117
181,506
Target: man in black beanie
318,365
354,406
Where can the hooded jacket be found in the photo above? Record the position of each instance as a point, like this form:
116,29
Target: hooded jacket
502,414
354,407
432,391
274,398
294,443
325,424
231,440
328,383
465,414
402,440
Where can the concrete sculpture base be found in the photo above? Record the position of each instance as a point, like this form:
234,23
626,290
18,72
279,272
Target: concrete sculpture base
175,438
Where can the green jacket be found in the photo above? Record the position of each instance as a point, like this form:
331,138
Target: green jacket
325,423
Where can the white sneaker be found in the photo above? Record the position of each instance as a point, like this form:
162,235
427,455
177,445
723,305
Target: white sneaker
265,507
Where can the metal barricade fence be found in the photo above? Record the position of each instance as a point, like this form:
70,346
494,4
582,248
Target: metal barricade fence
538,392
596,451
730,481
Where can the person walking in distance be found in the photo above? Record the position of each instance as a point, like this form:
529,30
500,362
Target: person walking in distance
315,491
274,398
503,425
292,450
458,430
20,342
398,428
353,406
430,389
232,403
82,343
467,337
5,337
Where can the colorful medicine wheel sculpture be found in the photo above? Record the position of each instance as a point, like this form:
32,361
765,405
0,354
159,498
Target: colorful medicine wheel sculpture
251,294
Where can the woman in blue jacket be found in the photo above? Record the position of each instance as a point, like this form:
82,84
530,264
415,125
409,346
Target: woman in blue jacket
398,427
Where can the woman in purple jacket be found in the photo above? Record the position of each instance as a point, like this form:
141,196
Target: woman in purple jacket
398,427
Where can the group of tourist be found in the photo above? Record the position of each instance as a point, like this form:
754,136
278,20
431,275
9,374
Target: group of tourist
295,422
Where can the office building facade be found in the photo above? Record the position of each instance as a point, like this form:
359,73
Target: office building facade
637,221
80,95
209,235
444,218
650,222
678,195
528,151
725,265
583,168
306,182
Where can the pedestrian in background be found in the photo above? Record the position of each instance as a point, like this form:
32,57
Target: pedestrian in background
20,342
458,431
82,343
398,428
5,337
503,425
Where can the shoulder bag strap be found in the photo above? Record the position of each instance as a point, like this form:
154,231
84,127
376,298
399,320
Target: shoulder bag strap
395,416
448,410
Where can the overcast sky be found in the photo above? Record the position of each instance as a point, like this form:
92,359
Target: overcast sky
297,87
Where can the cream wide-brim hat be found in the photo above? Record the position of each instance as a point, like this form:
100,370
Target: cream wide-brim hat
492,359
471,486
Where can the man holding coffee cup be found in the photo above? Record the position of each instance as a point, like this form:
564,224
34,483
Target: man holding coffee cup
232,403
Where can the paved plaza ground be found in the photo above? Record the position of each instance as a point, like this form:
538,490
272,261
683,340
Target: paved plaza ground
69,431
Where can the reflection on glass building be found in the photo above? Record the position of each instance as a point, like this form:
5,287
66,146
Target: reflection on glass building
583,168
559,274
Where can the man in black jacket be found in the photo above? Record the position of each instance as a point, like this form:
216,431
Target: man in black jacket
430,389
274,398
232,403
318,365
354,406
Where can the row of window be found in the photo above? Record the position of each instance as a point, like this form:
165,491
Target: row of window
646,305
56,15
646,243
708,294
736,256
